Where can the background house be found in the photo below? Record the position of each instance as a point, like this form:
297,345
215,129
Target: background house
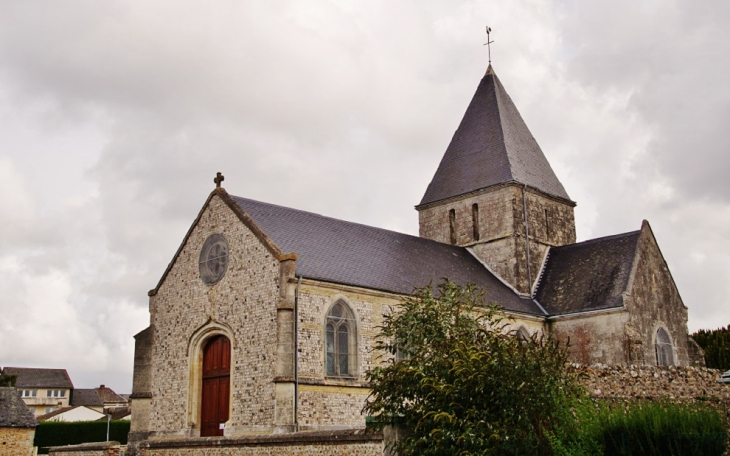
42,390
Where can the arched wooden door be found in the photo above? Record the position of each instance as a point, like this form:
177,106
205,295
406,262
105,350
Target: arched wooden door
216,386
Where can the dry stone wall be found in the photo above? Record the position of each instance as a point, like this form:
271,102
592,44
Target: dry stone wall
244,301
653,382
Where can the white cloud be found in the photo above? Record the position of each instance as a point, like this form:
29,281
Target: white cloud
116,115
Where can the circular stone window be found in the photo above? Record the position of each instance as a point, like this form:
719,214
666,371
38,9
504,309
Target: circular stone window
214,259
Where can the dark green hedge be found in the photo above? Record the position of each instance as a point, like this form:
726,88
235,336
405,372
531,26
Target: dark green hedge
716,344
58,433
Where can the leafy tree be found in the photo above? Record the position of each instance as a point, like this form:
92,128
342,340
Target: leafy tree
716,344
459,383
7,379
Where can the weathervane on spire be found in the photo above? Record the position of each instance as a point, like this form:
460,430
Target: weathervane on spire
487,44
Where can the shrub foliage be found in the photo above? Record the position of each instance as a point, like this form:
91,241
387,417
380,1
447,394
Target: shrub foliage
716,344
458,383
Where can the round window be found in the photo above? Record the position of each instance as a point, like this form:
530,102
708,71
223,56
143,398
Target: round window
214,259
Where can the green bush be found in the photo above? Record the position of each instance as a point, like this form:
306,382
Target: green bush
58,433
457,382
641,428
716,344
663,428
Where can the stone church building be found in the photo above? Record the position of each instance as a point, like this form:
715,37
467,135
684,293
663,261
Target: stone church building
264,320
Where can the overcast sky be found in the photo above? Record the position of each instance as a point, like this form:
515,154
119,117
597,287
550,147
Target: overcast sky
116,115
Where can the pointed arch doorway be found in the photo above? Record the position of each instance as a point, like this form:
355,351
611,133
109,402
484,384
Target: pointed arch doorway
216,388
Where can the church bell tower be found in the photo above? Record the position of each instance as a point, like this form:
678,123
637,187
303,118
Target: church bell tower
495,193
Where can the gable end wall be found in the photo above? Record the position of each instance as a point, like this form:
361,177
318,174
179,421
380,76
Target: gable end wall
244,300
653,301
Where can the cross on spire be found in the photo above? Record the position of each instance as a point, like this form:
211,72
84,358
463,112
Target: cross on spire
218,179
487,44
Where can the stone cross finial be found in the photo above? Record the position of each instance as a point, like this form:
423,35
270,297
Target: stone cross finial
218,179
487,44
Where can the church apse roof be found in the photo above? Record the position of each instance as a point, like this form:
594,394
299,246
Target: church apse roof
349,253
492,146
587,276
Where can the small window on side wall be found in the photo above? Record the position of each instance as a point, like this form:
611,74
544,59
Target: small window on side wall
340,342
664,349
523,334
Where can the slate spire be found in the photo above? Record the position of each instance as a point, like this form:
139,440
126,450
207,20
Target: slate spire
492,146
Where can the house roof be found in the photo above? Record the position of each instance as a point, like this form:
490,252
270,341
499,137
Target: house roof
13,411
30,377
63,410
349,253
95,397
589,275
87,397
58,411
492,146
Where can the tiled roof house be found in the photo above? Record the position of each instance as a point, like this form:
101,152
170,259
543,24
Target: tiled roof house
42,390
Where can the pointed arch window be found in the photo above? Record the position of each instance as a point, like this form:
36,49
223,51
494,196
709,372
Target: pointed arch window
523,334
340,342
664,348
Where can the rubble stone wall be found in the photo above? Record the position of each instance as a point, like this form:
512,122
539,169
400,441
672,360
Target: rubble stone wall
323,401
15,441
653,301
244,301
681,383
89,449
500,237
354,443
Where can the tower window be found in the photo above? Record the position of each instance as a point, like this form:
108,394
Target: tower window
475,220
452,226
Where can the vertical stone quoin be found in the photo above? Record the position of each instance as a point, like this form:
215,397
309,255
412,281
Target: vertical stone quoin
285,407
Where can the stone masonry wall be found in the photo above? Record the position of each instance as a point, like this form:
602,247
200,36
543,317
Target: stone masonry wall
330,402
653,301
594,338
348,442
88,449
652,382
16,441
501,229
244,301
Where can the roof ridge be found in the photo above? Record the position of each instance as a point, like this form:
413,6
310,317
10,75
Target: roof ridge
600,239
375,228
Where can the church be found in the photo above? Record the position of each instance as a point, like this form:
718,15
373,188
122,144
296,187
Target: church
264,321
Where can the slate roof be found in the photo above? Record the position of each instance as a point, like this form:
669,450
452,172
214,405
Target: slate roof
491,146
589,275
29,377
95,397
87,397
13,411
349,253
